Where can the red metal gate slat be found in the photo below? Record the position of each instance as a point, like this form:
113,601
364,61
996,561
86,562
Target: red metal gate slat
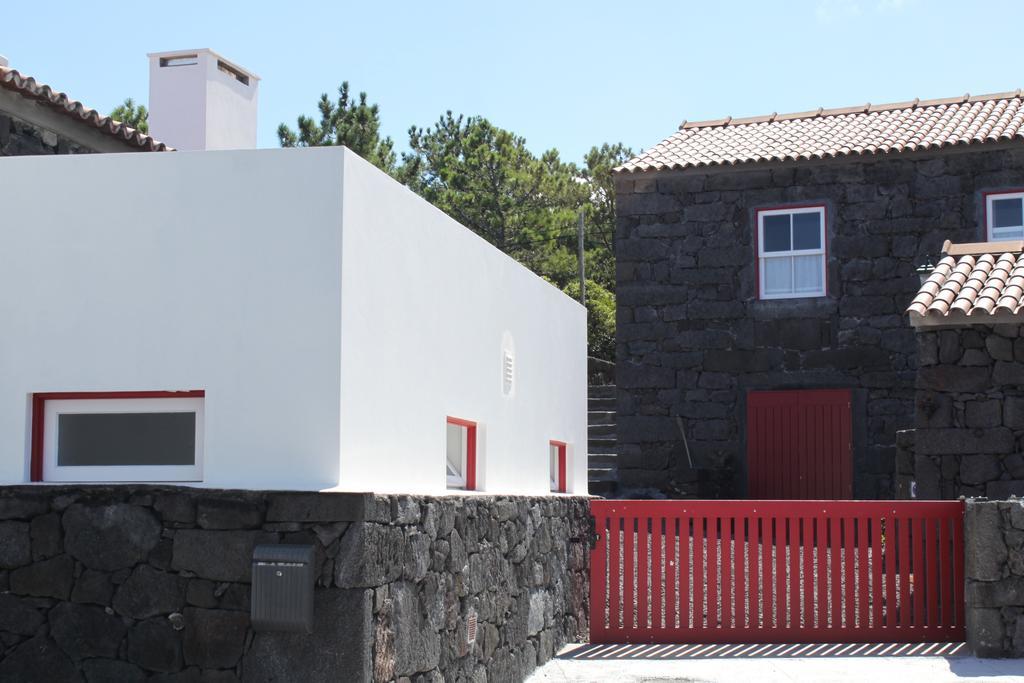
863,601
821,579
903,563
807,549
657,583
628,594
849,532
919,584
876,573
642,583
598,579
793,543
685,571
931,560
834,546
958,571
671,572
698,572
712,571
742,560
779,532
946,573
765,554
614,572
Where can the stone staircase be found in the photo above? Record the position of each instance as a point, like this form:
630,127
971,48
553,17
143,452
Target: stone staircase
603,469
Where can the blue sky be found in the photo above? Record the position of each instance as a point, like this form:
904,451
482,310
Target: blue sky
563,74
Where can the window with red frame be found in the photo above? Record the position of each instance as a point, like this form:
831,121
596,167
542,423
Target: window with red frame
791,252
460,465
1004,216
557,466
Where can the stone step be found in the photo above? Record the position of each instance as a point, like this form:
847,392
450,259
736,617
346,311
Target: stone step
601,417
601,459
606,431
600,404
601,444
601,391
610,473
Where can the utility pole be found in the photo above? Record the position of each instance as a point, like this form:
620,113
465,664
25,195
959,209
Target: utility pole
583,275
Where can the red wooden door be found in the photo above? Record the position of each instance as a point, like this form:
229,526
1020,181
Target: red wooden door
799,445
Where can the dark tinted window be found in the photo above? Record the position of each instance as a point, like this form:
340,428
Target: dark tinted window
1007,213
92,439
776,232
807,230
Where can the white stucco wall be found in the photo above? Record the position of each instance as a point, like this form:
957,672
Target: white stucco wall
187,270
427,310
333,318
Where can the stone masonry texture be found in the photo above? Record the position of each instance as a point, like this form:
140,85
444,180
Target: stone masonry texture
969,413
693,337
20,138
994,573
133,583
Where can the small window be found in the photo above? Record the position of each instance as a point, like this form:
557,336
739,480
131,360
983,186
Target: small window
460,461
118,436
1005,216
557,465
791,252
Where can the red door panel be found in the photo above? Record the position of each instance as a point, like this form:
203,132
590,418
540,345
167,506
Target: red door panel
799,445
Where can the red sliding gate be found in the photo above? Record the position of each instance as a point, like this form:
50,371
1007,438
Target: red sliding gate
774,571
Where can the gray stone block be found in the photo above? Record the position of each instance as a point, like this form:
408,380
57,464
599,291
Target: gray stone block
339,648
985,632
39,660
148,592
50,578
984,548
15,545
216,555
224,513
85,631
154,644
317,507
214,639
369,555
110,537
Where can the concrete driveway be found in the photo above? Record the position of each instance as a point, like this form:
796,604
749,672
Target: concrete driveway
925,663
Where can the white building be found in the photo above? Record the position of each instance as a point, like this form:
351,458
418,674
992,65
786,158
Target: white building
323,321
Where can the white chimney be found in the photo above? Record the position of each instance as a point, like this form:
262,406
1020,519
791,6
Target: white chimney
200,100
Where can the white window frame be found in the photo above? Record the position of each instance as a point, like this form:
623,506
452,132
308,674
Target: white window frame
989,214
457,481
763,256
119,473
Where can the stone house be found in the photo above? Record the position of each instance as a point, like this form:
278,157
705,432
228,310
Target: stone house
36,119
764,265
969,405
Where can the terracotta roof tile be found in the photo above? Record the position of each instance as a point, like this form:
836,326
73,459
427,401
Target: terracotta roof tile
27,86
972,283
829,133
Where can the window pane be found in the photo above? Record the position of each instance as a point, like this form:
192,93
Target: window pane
807,273
456,448
807,230
100,439
1014,233
1007,212
777,274
776,232
554,467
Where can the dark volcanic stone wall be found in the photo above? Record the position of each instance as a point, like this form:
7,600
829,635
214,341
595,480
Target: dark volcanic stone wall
693,338
19,138
133,583
994,568
969,437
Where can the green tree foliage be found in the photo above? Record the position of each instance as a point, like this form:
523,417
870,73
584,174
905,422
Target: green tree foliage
600,318
135,116
349,122
486,178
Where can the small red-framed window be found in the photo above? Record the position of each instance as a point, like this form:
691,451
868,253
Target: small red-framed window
557,466
460,457
1004,215
792,251
117,436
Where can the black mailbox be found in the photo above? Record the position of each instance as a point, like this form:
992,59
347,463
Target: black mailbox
282,588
